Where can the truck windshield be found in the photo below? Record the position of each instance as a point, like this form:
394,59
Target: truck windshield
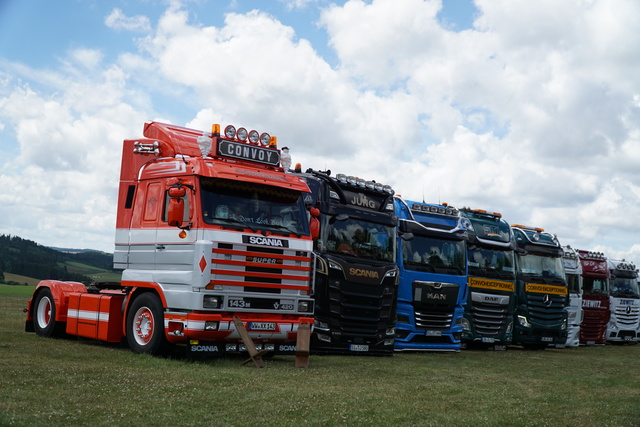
359,238
434,255
491,263
545,267
254,206
594,286
624,287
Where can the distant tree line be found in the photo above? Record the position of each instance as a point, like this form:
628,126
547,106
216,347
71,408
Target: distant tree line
28,258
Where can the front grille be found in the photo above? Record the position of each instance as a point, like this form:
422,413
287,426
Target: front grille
434,320
260,269
542,313
489,319
627,320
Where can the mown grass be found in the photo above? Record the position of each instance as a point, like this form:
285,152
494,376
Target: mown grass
81,382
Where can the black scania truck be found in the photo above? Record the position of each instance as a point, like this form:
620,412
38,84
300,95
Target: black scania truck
356,276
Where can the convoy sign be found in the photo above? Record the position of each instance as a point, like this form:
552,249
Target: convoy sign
498,285
545,289
249,152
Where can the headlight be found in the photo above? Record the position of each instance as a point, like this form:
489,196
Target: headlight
212,301
523,321
466,326
323,337
564,324
305,306
613,326
510,327
319,324
210,325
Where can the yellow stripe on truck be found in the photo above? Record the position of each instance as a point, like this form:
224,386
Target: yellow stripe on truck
545,289
498,285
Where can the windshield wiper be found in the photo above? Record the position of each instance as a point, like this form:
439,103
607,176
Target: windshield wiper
244,224
282,227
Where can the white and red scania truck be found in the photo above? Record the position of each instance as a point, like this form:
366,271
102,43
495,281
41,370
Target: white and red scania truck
215,246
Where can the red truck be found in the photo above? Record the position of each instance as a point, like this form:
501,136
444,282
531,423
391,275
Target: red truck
595,298
214,242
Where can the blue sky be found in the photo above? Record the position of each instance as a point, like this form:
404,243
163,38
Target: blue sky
528,108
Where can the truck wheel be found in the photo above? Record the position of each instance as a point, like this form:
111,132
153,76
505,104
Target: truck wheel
145,325
44,315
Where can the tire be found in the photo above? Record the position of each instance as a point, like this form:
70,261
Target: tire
44,315
145,325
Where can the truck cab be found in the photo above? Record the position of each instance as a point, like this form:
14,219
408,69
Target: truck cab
595,298
488,313
573,274
624,299
541,289
214,241
356,277
433,276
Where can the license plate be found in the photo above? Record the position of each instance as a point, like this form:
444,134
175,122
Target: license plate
262,326
489,340
359,347
546,339
434,333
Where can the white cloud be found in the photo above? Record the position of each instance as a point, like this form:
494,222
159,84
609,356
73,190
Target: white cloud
534,113
119,21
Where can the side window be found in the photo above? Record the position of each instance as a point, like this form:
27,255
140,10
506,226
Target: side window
151,207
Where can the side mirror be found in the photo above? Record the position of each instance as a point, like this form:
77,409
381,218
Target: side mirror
175,212
407,236
314,223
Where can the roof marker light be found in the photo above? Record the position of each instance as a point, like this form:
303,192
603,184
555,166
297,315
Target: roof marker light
341,178
242,134
254,136
230,132
351,180
265,138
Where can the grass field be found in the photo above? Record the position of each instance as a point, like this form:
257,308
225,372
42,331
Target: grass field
80,382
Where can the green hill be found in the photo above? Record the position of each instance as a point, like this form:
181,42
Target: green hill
27,259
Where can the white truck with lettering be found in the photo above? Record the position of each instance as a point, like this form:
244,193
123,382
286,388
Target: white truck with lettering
624,300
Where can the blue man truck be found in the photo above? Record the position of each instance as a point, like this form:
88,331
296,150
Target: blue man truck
433,276
356,277
488,314
541,290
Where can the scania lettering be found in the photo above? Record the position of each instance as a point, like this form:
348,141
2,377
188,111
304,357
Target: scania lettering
573,275
595,298
624,299
433,276
356,275
215,247
542,296
488,313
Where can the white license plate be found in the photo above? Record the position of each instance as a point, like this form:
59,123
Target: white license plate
359,347
262,326
434,333
488,340
546,339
